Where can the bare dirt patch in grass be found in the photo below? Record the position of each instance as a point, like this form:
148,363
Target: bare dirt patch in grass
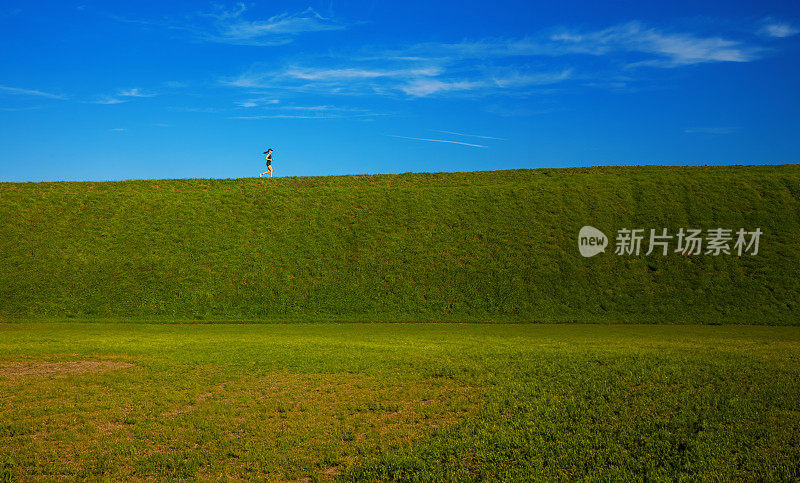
19,369
110,427
318,425
198,401
210,423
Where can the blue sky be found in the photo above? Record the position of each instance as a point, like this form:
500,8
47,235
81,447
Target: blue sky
139,90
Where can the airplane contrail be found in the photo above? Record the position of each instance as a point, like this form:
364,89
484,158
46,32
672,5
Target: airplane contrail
469,135
438,141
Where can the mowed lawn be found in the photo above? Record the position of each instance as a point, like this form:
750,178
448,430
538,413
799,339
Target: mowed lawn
396,401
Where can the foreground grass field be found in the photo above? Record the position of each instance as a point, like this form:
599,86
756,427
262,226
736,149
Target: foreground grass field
378,401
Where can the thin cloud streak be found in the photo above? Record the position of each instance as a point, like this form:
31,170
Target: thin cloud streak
437,141
29,92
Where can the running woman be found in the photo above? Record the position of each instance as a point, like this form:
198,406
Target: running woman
268,152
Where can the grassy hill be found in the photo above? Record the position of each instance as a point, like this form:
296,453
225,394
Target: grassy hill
483,246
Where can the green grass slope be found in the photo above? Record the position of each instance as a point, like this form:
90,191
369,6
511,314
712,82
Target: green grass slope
483,246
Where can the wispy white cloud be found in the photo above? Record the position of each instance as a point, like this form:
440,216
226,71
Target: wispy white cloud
670,49
426,87
236,26
134,93
122,96
109,100
29,92
413,81
518,79
776,29
120,129
666,49
486,67
502,81
437,141
544,62
256,102
232,28
247,80
303,77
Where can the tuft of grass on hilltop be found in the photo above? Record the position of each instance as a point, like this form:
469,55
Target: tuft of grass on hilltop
496,246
